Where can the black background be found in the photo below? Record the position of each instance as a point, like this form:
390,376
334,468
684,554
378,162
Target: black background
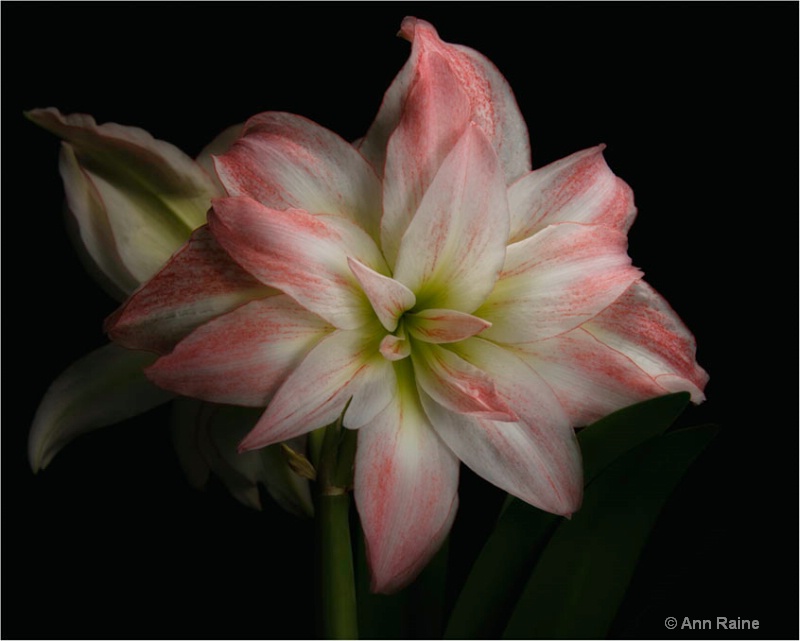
697,103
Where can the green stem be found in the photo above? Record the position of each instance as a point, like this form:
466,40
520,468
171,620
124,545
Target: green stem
337,597
338,618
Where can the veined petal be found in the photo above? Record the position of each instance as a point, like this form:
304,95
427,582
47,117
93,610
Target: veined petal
243,471
577,189
344,365
303,255
406,483
536,458
388,297
453,250
556,280
153,194
102,388
220,145
456,384
444,325
287,162
95,237
242,357
395,348
434,117
590,379
492,103
642,326
199,283
206,436
144,236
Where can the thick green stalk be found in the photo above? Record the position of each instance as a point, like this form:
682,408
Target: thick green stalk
337,594
338,618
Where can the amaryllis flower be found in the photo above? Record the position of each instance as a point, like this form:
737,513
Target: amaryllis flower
132,201
454,304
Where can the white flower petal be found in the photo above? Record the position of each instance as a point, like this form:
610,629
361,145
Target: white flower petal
199,283
642,326
285,161
590,379
343,366
388,297
104,387
95,238
577,189
492,103
406,483
536,458
150,194
241,357
556,280
444,325
301,254
453,250
456,384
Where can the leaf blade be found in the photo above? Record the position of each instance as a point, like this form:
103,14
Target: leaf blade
503,566
602,543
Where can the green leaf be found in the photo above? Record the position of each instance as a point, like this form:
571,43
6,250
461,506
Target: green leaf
581,578
500,571
505,563
609,438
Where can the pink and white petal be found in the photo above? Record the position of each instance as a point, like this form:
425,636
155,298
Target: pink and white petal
434,117
134,157
241,358
556,280
302,254
454,248
456,384
285,161
102,388
342,366
536,458
590,379
406,483
444,325
492,103
642,326
388,297
579,189
220,145
516,457
199,283
395,348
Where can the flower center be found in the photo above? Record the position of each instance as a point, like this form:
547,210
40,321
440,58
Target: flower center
430,326
396,346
